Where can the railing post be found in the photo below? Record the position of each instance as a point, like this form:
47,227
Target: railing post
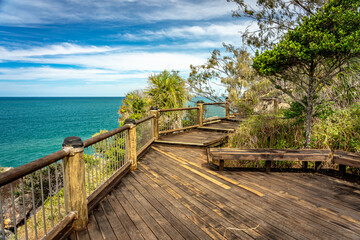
155,112
200,105
227,108
131,143
74,181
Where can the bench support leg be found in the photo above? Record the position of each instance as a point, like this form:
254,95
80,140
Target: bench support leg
267,166
342,170
221,165
317,166
304,165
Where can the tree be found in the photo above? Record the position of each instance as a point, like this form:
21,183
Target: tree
232,71
274,18
310,57
135,105
167,90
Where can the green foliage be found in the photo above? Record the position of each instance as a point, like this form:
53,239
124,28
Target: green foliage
273,17
112,149
232,70
298,111
310,57
333,33
345,91
340,131
167,90
135,105
190,118
267,131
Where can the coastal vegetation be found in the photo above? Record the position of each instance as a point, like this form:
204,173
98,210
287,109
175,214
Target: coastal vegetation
307,55
164,90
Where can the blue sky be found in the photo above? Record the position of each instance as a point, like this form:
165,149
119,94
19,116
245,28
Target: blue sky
108,47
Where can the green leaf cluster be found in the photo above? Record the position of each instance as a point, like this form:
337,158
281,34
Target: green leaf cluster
167,90
332,33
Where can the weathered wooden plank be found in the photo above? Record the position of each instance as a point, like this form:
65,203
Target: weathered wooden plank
222,216
114,221
347,160
129,226
217,129
150,217
270,157
103,223
83,235
316,194
221,193
178,129
190,219
258,150
179,143
134,216
93,228
269,154
197,208
343,153
196,193
280,207
175,222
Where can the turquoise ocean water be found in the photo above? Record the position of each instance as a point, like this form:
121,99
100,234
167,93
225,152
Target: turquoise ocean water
31,128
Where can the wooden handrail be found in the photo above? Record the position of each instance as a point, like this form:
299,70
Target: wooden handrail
23,170
102,136
144,119
177,109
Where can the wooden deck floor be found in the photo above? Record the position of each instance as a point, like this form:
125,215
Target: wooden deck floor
224,125
194,138
173,195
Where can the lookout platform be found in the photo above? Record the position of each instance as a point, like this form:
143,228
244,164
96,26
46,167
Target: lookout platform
173,194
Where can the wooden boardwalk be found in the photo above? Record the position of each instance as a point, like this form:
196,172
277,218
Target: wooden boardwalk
207,136
174,195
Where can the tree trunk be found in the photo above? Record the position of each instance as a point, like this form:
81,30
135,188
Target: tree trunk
309,113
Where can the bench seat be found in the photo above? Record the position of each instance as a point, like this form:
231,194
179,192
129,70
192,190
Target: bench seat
346,159
268,155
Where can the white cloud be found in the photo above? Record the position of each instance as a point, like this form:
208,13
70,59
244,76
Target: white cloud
224,31
116,59
61,74
141,61
71,11
51,50
192,10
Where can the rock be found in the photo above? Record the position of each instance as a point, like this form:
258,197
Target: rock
284,105
8,235
8,212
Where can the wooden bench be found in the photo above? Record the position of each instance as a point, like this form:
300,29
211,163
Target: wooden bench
267,155
346,159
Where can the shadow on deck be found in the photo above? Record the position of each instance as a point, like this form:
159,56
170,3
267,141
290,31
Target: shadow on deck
174,195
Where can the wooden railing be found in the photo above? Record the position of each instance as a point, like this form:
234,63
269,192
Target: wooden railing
180,119
52,195
34,194
215,111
